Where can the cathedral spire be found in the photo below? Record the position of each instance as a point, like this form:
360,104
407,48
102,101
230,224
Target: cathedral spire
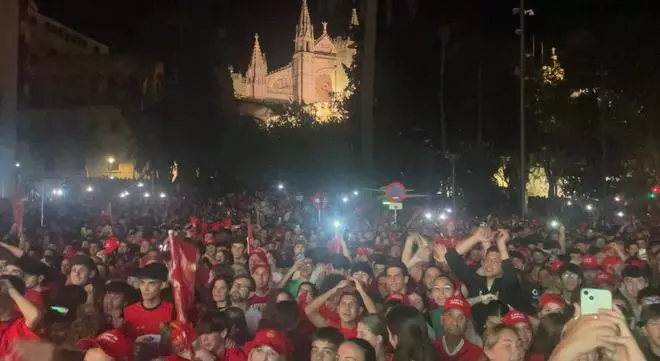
257,56
304,30
354,19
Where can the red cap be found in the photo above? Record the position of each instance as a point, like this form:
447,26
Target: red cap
114,343
69,252
448,242
457,303
262,259
524,251
398,296
363,251
271,338
548,298
110,245
610,261
182,336
515,317
604,278
589,262
555,265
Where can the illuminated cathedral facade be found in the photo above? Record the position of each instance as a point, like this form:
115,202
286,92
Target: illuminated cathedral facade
315,75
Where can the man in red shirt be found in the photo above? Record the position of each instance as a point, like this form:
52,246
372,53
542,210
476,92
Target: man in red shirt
12,328
143,319
260,272
453,346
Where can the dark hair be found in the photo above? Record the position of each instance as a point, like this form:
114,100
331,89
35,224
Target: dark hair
548,335
410,328
397,264
329,282
362,267
247,277
367,349
238,331
238,241
340,262
330,335
213,322
309,284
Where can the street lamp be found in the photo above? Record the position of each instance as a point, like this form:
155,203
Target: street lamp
147,195
356,193
162,195
590,207
280,186
17,165
90,189
140,185
344,199
111,160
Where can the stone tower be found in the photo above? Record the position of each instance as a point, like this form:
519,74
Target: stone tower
256,74
303,59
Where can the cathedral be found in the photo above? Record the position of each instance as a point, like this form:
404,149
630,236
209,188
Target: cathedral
315,75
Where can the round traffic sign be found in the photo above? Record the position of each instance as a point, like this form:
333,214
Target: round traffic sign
396,192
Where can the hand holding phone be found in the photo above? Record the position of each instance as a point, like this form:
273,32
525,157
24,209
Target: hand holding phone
593,299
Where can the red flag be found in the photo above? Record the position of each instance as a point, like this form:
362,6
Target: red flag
195,225
19,210
184,267
249,237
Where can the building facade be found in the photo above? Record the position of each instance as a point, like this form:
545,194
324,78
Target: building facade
316,73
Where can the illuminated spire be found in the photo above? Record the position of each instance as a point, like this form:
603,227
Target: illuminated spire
354,19
553,73
304,28
257,55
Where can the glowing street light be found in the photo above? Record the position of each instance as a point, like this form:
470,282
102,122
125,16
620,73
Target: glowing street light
112,177
589,207
336,224
554,224
140,185
111,160
162,195
17,165
620,214
280,186
89,189
443,216
617,199
356,193
124,194
57,192
448,210
147,195
569,203
344,199
428,215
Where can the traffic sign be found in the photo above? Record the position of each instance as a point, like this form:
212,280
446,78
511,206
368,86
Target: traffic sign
395,206
396,192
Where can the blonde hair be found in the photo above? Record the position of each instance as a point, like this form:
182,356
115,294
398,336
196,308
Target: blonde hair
493,332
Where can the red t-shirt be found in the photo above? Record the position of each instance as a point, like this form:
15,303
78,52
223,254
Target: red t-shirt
535,357
328,314
141,321
36,297
12,331
467,352
258,302
233,354
347,332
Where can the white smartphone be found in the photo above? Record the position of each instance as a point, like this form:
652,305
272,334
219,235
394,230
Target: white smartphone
593,299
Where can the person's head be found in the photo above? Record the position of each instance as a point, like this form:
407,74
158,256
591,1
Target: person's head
241,289
356,349
443,288
261,276
238,332
94,247
268,345
212,329
650,324
6,303
492,264
308,289
238,249
65,266
373,329
153,279
109,346
220,289
570,276
634,280
325,343
405,324
83,270
539,257
379,264
455,316
381,283
520,322
431,273
549,333
349,307
502,343
362,272
116,296
551,303
648,296
397,276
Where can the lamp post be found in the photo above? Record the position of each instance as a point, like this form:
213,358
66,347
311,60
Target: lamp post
111,160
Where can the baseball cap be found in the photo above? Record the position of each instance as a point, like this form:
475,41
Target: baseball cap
457,303
548,298
83,261
110,245
397,297
589,262
632,272
156,271
555,265
604,278
271,338
515,317
114,343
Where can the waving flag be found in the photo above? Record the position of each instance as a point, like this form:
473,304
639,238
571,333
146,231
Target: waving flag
184,268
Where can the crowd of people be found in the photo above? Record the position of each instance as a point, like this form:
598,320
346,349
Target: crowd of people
273,283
